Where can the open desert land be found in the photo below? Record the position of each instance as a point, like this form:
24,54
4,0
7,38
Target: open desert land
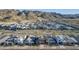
40,47
39,32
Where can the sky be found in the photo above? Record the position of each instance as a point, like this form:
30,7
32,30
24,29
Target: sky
62,11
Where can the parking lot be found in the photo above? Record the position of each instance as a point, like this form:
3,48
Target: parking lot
39,39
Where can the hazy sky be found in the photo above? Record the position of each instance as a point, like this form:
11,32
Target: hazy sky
62,11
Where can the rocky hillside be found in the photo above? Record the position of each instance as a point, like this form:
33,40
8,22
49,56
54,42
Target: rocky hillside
11,15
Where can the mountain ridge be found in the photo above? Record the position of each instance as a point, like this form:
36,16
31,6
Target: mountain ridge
9,15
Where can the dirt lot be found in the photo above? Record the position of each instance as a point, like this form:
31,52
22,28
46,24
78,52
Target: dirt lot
41,47
39,32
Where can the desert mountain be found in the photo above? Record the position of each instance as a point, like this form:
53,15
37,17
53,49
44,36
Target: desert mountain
11,15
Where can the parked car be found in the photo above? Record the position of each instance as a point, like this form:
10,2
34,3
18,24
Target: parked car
18,40
77,39
13,40
13,27
72,41
9,42
51,41
59,39
33,40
